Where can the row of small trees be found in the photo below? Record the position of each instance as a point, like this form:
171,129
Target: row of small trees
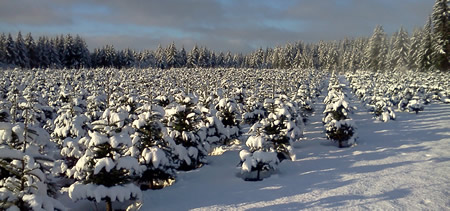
382,93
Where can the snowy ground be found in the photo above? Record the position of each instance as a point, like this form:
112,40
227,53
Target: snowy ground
402,164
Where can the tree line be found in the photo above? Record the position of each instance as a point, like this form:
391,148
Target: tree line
428,48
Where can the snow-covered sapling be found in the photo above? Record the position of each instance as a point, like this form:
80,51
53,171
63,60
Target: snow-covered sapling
382,110
415,105
270,141
338,126
183,121
153,148
23,181
228,114
105,172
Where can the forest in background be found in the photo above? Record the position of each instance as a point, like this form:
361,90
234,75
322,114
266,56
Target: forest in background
428,48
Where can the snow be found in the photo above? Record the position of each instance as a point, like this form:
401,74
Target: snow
6,152
182,153
97,139
130,163
78,191
397,165
255,142
106,163
156,156
121,138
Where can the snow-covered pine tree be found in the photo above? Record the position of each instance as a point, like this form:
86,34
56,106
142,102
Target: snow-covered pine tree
270,141
216,133
303,97
228,114
382,108
183,121
416,104
441,35
23,168
425,51
71,125
172,56
10,51
31,47
55,61
338,126
153,147
254,110
161,59
61,50
81,53
415,41
400,50
104,172
3,61
376,50
22,59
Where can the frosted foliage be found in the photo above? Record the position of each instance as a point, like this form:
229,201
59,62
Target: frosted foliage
34,189
182,153
251,160
338,125
106,163
155,156
255,142
78,191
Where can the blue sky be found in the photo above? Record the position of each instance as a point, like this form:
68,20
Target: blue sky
222,25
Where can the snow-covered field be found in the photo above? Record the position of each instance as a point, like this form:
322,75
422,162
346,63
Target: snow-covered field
103,137
398,165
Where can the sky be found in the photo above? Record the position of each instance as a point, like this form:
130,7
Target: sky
221,25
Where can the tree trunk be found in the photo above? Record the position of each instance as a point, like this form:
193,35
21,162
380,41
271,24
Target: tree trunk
340,144
257,175
108,204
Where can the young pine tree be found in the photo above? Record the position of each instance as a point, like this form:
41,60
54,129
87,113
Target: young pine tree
105,172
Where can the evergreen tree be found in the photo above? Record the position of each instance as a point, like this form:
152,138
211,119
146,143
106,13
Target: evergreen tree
3,49
203,57
182,58
161,59
80,53
129,58
23,180
183,121
220,60
10,51
32,50
441,35
413,54
154,148
53,53
61,50
43,52
400,50
338,126
192,58
424,54
22,59
71,60
228,114
228,60
172,56
376,50
104,172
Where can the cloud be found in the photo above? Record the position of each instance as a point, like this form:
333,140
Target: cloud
238,26
32,12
